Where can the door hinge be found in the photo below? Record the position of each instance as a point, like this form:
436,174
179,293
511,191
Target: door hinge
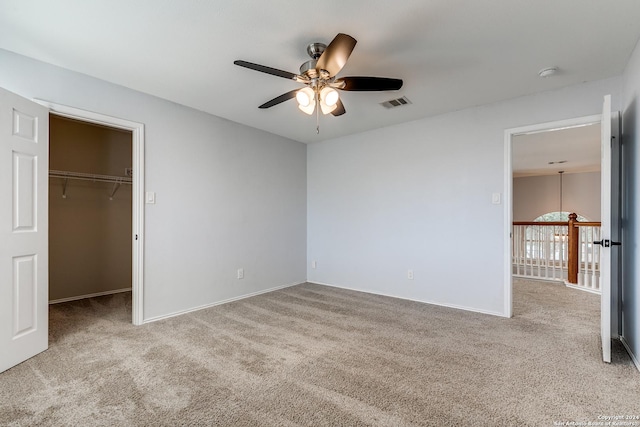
136,237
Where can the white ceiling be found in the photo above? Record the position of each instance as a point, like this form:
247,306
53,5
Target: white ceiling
451,54
579,147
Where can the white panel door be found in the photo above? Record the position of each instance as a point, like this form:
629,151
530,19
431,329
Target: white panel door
24,266
605,252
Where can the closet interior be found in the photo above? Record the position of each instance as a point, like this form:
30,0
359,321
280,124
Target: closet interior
90,210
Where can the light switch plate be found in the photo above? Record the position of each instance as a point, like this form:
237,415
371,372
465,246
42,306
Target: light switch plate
150,197
496,198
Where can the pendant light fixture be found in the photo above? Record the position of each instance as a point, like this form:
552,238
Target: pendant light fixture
561,172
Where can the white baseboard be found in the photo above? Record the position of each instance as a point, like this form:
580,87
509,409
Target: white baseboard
539,279
213,304
99,294
633,356
457,307
582,288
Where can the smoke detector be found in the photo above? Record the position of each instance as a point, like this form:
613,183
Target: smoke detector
547,72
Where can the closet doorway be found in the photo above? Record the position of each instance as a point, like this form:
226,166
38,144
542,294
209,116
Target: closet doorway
134,192
90,205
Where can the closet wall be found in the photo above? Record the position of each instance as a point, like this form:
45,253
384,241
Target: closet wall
89,234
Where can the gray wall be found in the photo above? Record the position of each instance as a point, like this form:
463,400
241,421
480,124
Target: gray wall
418,196
537,195
631,206
228,196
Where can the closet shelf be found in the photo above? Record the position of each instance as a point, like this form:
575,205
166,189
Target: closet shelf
66,175
90,177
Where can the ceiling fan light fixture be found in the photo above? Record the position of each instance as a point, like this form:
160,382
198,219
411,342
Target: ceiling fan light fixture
305,97
326,109
308,109
329,96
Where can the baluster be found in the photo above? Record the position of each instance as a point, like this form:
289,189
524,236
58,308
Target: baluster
523,248
539,250
516,247
583,262
585,257
552,251
554,244
547,251
595,259
588,259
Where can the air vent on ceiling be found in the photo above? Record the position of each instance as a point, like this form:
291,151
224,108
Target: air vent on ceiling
398,102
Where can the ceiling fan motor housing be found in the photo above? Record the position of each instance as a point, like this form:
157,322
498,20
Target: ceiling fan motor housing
315,50
309,69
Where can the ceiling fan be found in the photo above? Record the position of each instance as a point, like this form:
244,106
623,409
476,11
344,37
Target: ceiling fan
319,77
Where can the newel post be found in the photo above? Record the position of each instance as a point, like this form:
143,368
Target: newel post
573,249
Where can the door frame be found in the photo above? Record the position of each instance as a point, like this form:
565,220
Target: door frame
137,192
508,190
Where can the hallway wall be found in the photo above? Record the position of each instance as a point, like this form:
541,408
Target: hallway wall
537,195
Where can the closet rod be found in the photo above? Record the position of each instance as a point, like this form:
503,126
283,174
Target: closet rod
90,177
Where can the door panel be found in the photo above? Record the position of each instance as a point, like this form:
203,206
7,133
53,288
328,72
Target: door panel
25,174
24,290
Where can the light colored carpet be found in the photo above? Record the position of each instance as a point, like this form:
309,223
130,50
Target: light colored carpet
315,355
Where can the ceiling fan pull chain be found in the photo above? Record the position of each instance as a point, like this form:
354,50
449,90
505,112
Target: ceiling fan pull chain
317,116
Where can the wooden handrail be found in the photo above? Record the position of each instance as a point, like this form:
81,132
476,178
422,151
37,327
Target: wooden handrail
558,223
572,243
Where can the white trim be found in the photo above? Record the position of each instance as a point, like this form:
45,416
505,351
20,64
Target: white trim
457,307
555,125
507,309
213,304
559,282
98,294
582,288
137,192
633,356
508,196
540,279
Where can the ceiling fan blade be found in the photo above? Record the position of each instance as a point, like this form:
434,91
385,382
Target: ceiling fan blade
279,99
336,54
368,83
339,109
265,69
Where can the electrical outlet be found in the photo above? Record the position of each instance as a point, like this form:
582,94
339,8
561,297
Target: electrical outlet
241,273
314,264
410,274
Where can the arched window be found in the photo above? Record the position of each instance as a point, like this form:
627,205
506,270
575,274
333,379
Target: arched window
558,217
